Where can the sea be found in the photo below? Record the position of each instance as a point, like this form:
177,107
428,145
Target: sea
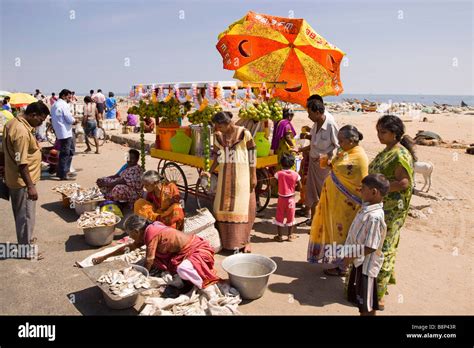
424,99
454,100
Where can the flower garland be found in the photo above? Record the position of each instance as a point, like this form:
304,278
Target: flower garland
142,141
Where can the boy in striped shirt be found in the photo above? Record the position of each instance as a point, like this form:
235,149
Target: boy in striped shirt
367,232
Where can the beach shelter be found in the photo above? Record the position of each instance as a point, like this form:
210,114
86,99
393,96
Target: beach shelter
21,99
4,93
264,48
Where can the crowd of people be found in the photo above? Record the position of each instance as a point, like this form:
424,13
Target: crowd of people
351,201
347,200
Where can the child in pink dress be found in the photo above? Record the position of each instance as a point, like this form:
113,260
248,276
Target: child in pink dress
288,181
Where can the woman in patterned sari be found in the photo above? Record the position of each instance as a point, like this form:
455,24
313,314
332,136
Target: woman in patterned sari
339,202
162,202
234,205
396,163
168,249
126,186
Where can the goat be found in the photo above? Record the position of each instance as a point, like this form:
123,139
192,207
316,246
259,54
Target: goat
426,169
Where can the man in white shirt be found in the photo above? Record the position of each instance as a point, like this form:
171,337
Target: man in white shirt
62,120
99,100
38,95
323,139
41,129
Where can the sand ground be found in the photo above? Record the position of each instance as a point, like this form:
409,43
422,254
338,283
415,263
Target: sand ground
434,262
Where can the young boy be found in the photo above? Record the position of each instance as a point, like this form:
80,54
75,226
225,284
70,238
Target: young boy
366,236
288,180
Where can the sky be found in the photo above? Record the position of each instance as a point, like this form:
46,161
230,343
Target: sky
392,47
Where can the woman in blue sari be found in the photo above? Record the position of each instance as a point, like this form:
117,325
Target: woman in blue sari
111,107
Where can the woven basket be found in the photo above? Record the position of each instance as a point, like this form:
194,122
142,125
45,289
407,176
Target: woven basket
211,235
199,222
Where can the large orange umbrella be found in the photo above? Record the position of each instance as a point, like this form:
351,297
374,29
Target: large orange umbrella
264,48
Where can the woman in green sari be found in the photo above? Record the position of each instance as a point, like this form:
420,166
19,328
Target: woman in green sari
396,163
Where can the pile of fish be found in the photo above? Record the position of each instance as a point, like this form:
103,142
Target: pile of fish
87,195
96,218
67,189
124,282
134,256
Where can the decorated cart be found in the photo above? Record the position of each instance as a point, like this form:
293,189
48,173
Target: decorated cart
178,145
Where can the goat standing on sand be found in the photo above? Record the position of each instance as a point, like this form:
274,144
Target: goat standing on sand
426,169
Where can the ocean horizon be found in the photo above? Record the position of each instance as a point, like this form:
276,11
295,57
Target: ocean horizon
426,99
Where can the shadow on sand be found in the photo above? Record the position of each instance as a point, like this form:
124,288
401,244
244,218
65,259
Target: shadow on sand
90,301
311,286
67,214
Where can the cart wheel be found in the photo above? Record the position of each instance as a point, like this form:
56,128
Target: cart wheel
263,190
173,173
161,164
204,197
101,136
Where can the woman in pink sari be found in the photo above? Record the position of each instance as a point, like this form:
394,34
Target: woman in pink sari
168,249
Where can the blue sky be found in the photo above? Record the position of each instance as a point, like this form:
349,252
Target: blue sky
393,47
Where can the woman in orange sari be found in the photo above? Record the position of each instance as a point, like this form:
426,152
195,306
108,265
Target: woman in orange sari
162,202
168,249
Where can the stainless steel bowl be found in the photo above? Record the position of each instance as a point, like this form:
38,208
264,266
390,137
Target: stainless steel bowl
99,236
86,206
117,302
249,273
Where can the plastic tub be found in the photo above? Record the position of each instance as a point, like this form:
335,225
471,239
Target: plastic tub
249,273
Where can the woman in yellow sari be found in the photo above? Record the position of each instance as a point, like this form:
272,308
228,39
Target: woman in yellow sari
162,201
339,202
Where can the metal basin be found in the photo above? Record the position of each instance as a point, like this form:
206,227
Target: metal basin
99,236
86,206
116,302
249,273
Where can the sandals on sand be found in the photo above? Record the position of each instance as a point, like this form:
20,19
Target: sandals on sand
278,238
335,272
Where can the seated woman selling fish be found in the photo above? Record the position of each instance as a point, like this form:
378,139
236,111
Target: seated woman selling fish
168,249
162,202
126,185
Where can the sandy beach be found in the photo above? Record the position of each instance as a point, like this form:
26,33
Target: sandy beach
433,267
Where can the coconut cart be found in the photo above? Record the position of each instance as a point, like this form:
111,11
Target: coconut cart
178,147
171,163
